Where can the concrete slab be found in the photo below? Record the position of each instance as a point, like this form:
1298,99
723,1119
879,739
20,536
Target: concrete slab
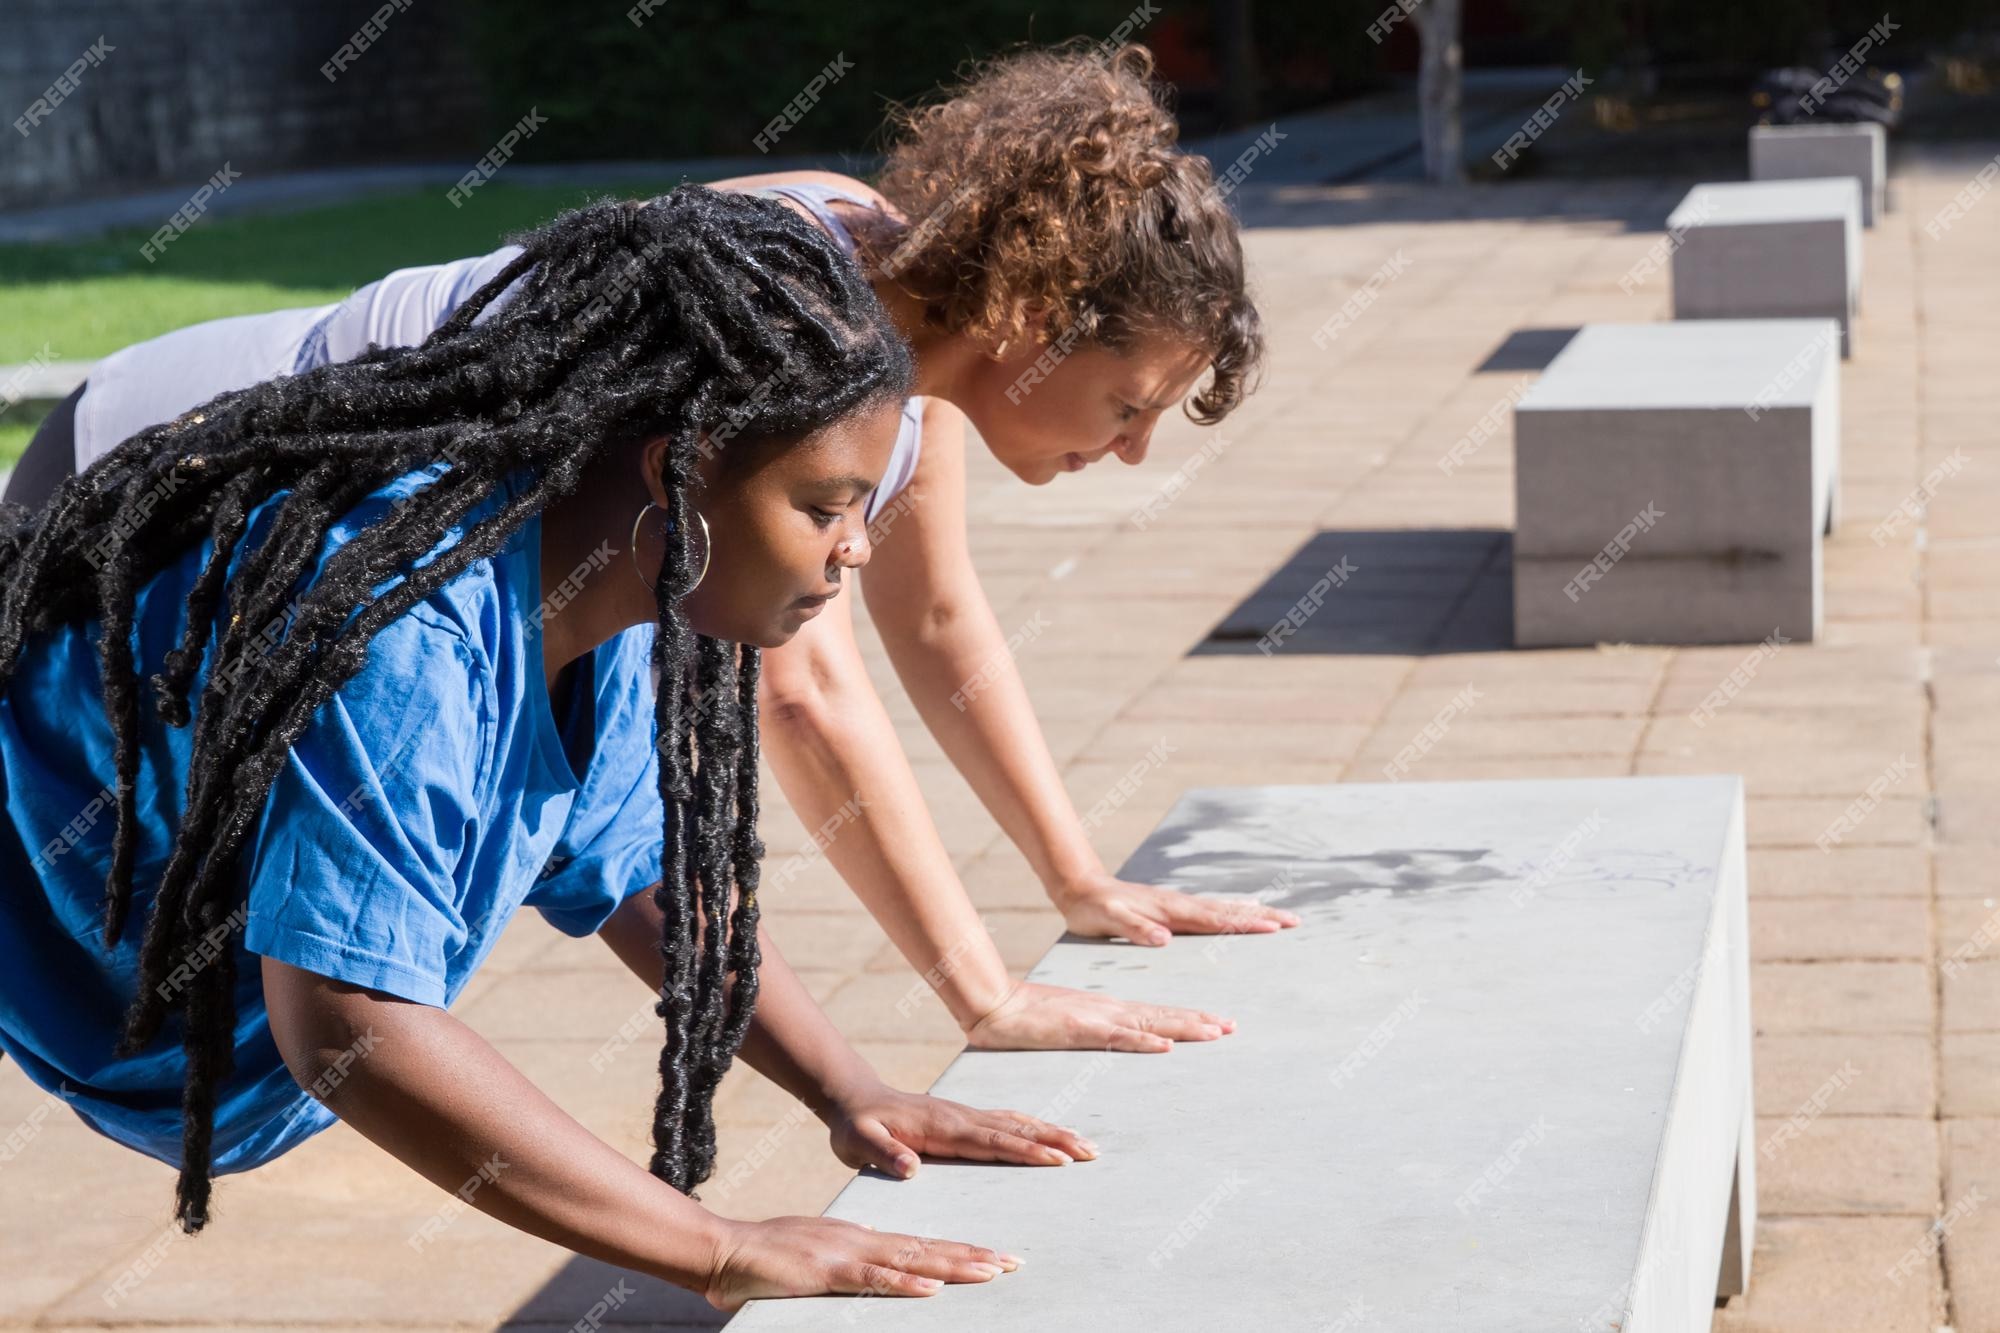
1497,1081
1673,484
1810,152
1769,249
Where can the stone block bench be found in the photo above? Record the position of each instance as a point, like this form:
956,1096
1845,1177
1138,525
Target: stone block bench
1497,1082
1769,249
1807,152
1673,482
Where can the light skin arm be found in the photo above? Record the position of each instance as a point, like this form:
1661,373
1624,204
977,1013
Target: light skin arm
431,1092
791,1042
829,740
950,653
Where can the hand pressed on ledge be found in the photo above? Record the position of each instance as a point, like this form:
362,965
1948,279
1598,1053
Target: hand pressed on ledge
1104,906
805,1256
1035,1017
887,1129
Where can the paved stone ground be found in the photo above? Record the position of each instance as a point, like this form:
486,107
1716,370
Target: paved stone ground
1851,1003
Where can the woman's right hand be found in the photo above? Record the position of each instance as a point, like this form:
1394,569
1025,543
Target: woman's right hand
818,1256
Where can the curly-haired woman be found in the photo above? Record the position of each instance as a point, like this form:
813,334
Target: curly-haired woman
1065,274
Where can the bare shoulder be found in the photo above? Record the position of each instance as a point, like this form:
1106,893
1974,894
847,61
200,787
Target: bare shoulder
853,186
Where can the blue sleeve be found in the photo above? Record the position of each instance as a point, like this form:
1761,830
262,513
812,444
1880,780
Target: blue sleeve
353,871
611,848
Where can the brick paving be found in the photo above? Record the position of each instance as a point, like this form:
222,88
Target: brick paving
1850,991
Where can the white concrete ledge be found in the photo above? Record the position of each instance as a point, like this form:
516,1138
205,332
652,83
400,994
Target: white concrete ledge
1673,482
1498,1082
1769,250
1811,152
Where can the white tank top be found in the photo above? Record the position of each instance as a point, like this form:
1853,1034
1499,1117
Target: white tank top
157,380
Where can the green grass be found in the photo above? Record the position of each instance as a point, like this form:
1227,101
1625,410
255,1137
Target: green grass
83,300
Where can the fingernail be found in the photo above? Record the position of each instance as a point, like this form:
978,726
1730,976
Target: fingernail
1011,1261
988,1271
1060,1157
906,1166
1087,1146
929,1283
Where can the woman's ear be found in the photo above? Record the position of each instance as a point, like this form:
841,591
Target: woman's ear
653,463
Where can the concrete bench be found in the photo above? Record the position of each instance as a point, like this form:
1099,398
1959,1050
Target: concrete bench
1498,1081
1808,152
1673,482
1769,249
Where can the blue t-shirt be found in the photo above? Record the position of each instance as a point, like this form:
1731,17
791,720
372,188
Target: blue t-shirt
430,798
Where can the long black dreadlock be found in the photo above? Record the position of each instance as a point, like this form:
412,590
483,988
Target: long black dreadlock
701,317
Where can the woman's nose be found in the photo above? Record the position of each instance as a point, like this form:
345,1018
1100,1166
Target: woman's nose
853,551
1132,447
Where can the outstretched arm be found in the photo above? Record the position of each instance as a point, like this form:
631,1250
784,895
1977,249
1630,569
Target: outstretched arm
429,1090
792,1043
830,742
948,649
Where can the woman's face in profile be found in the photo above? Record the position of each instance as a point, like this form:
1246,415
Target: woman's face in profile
784,525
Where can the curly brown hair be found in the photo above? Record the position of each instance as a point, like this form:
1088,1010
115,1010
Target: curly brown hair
1047,198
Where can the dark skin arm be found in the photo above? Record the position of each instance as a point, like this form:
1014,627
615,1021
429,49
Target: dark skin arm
435,1095
792,1043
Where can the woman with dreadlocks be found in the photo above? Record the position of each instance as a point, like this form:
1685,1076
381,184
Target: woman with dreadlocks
304,693
1065,273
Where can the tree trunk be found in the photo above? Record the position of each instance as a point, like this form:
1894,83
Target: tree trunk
1439,90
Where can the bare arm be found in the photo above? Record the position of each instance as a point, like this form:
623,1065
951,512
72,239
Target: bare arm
950,653
430,1091
791,1042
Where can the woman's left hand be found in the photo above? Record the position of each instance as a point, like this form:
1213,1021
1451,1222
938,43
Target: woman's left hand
887,1129
1103,906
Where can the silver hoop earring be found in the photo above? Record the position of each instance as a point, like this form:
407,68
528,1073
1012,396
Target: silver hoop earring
707,546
